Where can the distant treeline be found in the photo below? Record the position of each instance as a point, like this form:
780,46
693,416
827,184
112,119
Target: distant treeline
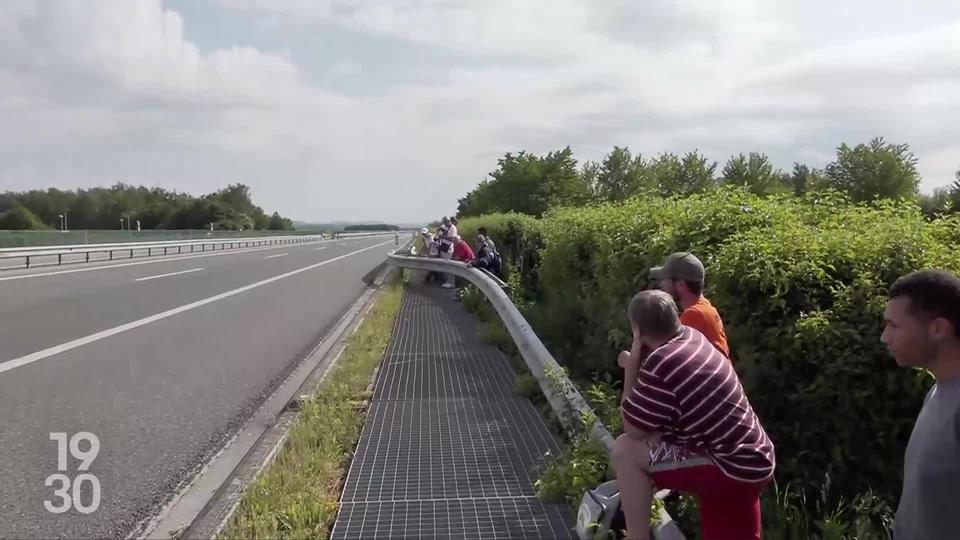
372,227
155,208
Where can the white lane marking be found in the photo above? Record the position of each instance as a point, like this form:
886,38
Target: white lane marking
155,261
277,255
64,347
319,248
148,278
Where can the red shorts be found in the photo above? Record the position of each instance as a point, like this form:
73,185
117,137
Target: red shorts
729,509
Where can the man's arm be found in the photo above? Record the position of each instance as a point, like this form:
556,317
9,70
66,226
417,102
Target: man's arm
650,437
637,422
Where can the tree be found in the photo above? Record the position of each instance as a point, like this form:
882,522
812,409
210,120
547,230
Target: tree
801,178
671,175
18,218
528,184
620,175
754,172
102,208
878,170
278,223
589,172
940,202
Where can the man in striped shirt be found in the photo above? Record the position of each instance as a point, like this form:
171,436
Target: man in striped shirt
688,426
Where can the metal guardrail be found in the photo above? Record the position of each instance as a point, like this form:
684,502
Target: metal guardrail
564,400
60,251
538,359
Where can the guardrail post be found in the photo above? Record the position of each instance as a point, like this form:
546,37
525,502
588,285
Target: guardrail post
164,250
111,254
28,261
88,256
131,253
59,259
149,252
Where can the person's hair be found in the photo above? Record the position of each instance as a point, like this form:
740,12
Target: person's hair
932,294
654,313
696,287
482,230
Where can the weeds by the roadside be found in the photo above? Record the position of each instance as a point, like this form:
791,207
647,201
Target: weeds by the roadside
296,496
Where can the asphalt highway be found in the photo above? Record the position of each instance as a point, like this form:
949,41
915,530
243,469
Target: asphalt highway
160,359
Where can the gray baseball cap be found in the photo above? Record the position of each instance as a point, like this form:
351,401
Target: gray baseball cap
681,265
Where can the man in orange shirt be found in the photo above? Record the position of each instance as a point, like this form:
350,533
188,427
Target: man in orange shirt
682,275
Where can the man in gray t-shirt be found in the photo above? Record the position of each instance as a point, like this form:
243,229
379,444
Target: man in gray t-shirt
923,330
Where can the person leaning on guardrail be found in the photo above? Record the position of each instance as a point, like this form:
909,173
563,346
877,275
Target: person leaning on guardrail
431,249
462,251
487,256
688,426
922,329
448,235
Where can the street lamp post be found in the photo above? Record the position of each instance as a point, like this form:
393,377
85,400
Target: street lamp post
121,224
66,225
63,228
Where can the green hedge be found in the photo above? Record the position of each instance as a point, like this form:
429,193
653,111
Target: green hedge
801,284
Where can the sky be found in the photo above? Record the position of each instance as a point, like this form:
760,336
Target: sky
392,109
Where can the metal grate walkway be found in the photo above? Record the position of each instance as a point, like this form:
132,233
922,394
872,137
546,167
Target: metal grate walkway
447,451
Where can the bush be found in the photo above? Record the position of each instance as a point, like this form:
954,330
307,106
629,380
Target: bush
801,284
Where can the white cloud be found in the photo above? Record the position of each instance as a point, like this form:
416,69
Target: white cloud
91,91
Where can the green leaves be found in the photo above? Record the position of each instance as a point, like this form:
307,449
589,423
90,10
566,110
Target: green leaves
800,283
754,173
878,170
528,184
18,218
102,208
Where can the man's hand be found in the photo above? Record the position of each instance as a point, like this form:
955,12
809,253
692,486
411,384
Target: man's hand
624,359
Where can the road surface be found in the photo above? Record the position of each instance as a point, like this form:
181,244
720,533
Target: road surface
161,360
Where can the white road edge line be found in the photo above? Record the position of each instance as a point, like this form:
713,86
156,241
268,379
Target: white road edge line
277,255
148,278
57,349
319,248
154,261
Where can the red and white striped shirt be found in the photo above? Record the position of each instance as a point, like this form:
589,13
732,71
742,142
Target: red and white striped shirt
688,391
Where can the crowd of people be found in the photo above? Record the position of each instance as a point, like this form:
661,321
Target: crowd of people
688,423
446,243
689,426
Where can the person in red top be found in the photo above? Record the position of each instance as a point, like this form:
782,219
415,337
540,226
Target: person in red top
462,251
682,275
688,426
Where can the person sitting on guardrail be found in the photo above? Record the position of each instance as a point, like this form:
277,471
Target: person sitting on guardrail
682,276
688,426
487,256
922,330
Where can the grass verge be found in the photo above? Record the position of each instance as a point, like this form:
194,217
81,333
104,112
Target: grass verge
297,495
